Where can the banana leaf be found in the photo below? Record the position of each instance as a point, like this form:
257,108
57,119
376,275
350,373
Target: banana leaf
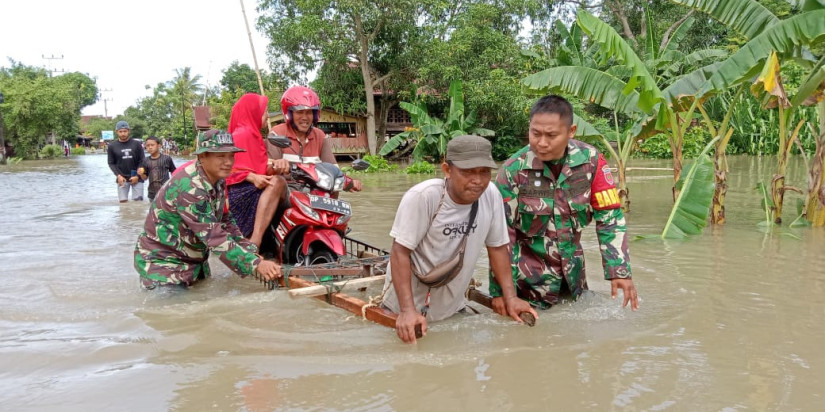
587,84
800,220
783,37
807,5
745,16
678,35
613,45
690,212
586,131
767,204
680,93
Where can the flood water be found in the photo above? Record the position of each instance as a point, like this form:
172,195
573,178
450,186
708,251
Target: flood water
729,321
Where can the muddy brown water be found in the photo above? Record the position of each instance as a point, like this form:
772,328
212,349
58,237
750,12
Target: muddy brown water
730,320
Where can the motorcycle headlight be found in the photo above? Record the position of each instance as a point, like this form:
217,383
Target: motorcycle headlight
343,219
308,211
339,184
325,180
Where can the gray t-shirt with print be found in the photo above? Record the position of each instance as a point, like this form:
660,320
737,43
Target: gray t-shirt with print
439,242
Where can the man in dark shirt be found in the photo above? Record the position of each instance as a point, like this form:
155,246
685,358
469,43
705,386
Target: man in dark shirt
125,156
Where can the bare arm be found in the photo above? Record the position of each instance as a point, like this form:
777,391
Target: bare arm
502,271
408,317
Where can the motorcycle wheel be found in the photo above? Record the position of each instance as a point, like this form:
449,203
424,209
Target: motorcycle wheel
321,256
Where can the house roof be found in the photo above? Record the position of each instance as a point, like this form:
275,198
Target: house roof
203,117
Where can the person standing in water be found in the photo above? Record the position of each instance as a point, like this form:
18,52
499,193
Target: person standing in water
125,156
156,168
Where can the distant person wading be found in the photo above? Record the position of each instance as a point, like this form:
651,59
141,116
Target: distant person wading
125,157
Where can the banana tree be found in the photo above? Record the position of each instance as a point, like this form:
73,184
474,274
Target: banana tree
431,134
815,204
767,35
639,97
720,160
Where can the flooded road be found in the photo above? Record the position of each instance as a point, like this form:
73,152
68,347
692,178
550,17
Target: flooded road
729,321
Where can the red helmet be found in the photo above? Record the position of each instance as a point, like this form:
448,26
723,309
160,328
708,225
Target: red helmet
300,98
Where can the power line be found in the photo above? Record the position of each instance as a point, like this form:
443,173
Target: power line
49,68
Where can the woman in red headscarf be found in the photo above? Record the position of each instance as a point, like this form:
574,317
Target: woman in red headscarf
253,197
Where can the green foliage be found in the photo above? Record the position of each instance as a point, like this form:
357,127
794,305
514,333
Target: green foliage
658,147
432,134
484,52
767,203
95,126
377,165
51,151
237,80
420,167
690,212
340,87
37,105
505,146
731,13
77,151
783,37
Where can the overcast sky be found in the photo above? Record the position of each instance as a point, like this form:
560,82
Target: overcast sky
128,45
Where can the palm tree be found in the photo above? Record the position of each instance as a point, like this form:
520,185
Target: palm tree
184,90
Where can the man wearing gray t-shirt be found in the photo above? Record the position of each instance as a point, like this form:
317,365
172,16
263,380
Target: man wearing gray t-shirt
430,225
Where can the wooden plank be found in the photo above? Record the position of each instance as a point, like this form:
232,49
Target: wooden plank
351,304
477,296
340,286
310,271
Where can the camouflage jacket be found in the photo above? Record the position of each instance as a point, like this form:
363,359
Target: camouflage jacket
185,223
545,219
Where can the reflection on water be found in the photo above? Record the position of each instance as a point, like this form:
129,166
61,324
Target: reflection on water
729,320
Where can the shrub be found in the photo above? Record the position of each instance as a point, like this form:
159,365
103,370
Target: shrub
505,146
420,167
51,151
378,164
78,151
658,147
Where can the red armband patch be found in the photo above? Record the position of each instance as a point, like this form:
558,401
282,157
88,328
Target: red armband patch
603,193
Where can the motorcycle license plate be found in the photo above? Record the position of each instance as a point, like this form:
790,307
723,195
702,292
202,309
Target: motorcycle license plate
333,205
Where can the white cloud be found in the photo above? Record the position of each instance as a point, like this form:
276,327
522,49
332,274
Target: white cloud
128,45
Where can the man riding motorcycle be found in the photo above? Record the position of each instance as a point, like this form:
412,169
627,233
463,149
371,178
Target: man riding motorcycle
301,108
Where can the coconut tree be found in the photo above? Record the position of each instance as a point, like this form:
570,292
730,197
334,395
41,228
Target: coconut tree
185,89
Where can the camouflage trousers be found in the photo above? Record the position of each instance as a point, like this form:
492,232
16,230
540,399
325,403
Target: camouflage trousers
169,271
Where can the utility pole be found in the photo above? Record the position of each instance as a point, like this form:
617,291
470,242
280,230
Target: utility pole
49,68
107,99
106,107
2,140
254,57
183,109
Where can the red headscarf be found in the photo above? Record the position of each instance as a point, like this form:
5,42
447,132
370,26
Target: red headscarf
245,126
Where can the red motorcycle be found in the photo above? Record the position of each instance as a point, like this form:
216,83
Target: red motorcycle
314,221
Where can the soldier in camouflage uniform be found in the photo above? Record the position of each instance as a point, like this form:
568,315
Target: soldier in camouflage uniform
552,189
187,222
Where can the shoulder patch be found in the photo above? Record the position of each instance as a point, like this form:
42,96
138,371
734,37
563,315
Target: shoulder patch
608,177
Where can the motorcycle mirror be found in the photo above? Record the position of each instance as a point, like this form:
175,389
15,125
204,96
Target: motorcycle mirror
279,141
360,164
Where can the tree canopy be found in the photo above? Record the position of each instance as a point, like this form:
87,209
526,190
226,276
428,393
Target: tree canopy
38,107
